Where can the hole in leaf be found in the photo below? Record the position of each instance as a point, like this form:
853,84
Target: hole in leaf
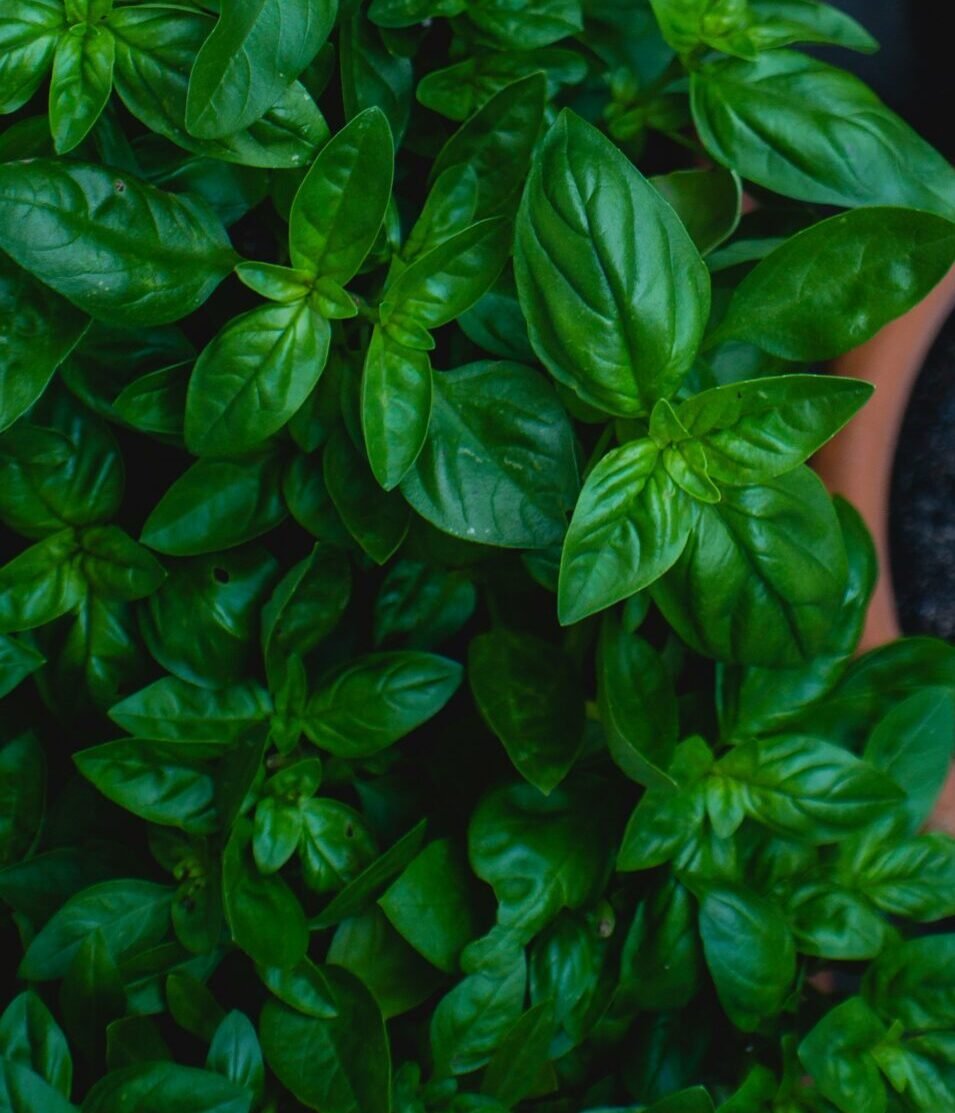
220,575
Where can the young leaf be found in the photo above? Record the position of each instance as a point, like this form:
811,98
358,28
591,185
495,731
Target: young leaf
332,226
642,287
252,55
630,525
253,376
81,83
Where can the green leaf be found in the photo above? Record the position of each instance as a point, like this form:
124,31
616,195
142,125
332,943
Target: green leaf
442,284
376,519
514,1068
92,995
264,915
175,711
528,693
786,121
159,1087
630,525
420,607
131,915
497,143
119,249
776,23
156,46
762,576
914,878
471,1021
371,75
370,948
40,331
541,853
708,202
31,1037
235,1053
29,35
749,952
336,846
806,787
337,1064
41,584
306,604
368,705
498,464
838,1055
333,224
832,923
81,83
396,394
116,567
202,623
912,982
759,429
155,403
913,745
217,504
363,889
22,1091
251,57
833,286
162,782
642,287
662,962
22,791
432,906
253,376
637,702
529,24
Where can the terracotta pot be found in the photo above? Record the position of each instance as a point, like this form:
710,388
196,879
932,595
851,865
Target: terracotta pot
858,462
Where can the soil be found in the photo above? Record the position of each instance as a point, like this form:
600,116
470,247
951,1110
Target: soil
923,498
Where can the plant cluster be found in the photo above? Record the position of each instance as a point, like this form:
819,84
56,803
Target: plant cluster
428,660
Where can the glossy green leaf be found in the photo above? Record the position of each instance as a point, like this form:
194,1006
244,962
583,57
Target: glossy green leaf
28,38
396,393
528,694
251,57
762,428
806,787
637,704
162,782
119,249
31,1037
331,226
131,915
156,1087
540,854
833,286
217,504
774,562
642,287
40,332
786,120
156,46
253,376
81,83
338,1064
749,952
708,202
235,1053
517,476
174,710
378,699
41,584
431,904
264,915
630,525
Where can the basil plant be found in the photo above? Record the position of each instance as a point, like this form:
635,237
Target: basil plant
428,658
